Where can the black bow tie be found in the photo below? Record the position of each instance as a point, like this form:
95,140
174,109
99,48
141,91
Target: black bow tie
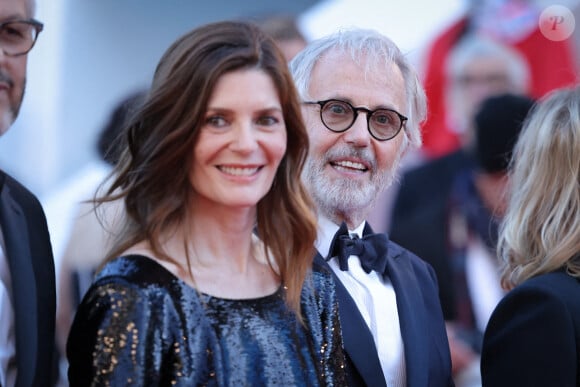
371,250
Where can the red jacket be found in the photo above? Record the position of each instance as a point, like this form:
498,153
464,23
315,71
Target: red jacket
552,65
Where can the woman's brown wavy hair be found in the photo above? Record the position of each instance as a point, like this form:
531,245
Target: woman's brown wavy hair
152,177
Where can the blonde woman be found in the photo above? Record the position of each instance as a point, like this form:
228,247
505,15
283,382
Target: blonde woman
533,336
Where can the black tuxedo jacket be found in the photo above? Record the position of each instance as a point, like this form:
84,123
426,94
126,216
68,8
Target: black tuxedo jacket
29,255
533,336
422,326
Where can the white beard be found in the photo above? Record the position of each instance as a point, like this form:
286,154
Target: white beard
350,198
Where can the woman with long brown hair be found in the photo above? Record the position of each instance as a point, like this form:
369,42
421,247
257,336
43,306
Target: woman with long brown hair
209,280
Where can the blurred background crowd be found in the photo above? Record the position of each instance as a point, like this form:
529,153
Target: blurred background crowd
94,57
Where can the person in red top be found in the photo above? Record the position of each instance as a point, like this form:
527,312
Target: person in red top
552,63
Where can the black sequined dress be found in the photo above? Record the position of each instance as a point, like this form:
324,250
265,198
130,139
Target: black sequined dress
139,325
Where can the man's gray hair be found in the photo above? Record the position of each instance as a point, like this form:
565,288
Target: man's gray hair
379,52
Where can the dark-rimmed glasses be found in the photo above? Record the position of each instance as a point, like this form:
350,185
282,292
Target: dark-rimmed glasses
17,37
338,116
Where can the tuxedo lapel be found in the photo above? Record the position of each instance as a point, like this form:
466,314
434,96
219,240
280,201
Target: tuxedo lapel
357,338
18,255
411,316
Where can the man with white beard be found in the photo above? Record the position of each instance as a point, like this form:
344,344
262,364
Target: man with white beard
362,105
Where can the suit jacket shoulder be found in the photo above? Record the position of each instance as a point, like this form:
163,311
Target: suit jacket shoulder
419,265
26,199
533,336
29,255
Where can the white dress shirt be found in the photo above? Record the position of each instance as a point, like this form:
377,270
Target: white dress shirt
483,279
376,301
7,339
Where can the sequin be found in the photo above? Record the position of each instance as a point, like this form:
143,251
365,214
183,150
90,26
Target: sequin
138,325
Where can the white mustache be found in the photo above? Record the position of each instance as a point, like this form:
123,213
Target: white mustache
345,152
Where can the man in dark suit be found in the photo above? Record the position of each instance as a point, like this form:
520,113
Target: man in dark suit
27,288
362,107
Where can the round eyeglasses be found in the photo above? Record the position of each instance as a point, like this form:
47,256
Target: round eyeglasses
338,116
17,37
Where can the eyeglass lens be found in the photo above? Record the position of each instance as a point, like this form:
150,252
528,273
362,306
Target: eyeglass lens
339,116
17,37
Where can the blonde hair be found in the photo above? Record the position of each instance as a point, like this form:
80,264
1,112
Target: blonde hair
541,230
